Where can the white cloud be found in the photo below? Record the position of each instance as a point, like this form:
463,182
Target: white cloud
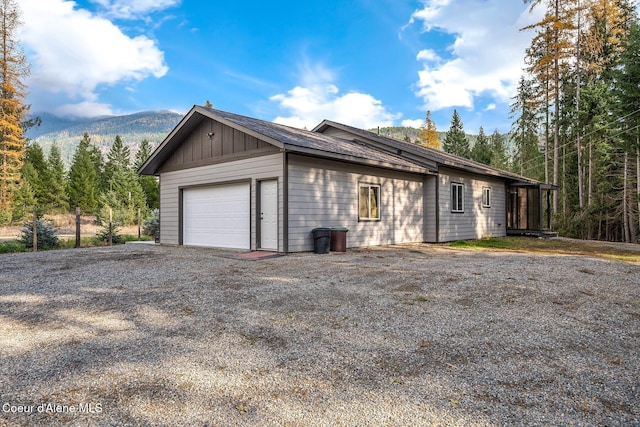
412,123
84,109
486,57
318,98
134,9
80,53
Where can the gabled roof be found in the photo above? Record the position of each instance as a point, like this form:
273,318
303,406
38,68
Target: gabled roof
285,138
429,157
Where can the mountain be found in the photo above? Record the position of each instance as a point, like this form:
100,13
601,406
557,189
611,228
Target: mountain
133,128
401,133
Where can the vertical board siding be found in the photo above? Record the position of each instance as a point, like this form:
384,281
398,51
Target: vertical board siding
253,169
199,149
324,193
476,221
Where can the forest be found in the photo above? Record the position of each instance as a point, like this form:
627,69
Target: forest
575,118
575,124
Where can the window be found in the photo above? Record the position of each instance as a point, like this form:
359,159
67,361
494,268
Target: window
369,202
457,197
486,197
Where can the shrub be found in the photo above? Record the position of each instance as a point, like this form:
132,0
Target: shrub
116,238
152,223
47,238
11,247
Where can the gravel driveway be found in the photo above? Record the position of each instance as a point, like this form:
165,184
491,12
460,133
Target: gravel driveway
414,335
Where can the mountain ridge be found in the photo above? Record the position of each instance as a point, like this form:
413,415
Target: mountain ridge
133,128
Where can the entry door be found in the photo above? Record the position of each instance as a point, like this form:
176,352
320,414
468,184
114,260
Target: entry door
269,215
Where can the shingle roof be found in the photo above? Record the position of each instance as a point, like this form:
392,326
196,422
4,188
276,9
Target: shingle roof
419,153
365,148
285,137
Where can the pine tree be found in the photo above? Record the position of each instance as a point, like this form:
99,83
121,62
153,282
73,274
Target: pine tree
455,141
123,193
481,151
57,199
13,110
24,201
118,157
428,135
149,184
36,171
499,156
528,161
84,181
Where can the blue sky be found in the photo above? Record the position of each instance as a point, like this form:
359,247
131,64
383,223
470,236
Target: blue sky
366,63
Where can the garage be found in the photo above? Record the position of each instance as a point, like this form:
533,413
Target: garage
217,216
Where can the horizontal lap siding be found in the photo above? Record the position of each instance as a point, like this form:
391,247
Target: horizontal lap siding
256,168
477,221
324,193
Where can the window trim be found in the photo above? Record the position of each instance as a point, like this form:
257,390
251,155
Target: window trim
486,197
379,196
457,189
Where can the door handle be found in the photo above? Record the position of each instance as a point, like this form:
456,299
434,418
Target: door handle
261,215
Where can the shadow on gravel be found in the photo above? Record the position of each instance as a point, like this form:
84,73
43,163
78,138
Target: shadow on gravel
154,335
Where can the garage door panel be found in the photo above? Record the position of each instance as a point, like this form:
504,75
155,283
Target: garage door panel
217,216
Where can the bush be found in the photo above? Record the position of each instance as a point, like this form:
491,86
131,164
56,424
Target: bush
12,246
47,238
116,238
152,223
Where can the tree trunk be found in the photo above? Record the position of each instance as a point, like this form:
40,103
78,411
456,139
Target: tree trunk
625,208
556,108
578,141
638,176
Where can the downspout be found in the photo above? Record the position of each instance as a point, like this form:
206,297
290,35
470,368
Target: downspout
438,207
285,201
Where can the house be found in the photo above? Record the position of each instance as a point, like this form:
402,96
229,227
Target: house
232,181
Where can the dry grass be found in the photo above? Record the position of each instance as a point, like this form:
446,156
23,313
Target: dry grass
66,225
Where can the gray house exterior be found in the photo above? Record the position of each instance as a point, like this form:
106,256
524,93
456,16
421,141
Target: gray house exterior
232,181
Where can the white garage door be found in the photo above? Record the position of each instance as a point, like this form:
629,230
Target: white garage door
216,216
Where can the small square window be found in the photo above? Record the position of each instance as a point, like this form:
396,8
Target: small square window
457,197
369,202
486,197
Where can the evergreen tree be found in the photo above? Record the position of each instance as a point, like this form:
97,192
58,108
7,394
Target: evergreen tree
528,160
455,141
13,110
628,95
149,184
499,156
123,193
24,200
428,135
36,171
118,157
84,182
57,199
481,151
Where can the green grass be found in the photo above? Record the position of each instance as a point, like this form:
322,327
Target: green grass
550,246
12,246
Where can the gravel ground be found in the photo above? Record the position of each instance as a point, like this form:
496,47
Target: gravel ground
395,336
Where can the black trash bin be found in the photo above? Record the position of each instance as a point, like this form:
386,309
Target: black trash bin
321,240
339,239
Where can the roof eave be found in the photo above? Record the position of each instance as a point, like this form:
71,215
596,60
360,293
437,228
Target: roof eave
188,122
358,160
